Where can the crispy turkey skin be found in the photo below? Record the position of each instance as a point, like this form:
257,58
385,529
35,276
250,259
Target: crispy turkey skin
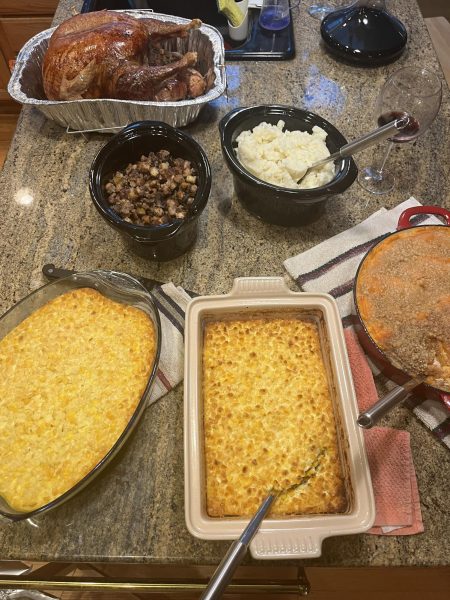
105,55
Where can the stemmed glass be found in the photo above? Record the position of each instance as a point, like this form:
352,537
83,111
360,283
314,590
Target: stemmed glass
414,92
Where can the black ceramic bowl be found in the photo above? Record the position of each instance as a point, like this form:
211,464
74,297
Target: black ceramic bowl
160,242
271,203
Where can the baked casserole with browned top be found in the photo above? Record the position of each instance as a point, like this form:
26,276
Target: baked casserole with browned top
403,297
73,373
269,418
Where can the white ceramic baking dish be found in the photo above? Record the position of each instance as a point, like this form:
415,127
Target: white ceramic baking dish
290,537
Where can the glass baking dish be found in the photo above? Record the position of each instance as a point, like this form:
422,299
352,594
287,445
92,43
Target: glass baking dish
118,287
293,536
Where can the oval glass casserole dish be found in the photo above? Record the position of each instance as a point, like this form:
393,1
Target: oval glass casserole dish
78,359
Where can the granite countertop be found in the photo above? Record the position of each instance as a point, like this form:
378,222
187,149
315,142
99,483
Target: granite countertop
134,511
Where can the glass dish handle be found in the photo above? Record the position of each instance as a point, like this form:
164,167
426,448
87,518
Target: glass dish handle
118,281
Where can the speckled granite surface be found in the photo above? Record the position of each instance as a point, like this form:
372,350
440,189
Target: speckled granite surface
135,510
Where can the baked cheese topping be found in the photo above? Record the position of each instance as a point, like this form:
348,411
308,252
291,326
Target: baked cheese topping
268,418
72,375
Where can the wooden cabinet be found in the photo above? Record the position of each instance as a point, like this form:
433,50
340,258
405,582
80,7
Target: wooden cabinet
20,21
174,582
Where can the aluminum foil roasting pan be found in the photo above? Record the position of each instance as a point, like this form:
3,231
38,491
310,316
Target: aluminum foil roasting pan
108,115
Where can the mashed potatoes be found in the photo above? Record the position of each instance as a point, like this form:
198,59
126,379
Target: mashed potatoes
282,157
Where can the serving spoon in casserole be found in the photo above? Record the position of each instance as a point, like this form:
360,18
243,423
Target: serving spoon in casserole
236,552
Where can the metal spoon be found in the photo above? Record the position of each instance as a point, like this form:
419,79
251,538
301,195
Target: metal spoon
361,143
236,552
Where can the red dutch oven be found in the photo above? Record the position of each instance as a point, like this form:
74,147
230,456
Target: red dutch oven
407,384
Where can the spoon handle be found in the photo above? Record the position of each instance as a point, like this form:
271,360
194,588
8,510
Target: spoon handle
236,552
381,133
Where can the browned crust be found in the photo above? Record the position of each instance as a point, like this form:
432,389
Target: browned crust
72,375
403,296
268,414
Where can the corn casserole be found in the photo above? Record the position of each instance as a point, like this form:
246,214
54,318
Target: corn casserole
73,374
269,418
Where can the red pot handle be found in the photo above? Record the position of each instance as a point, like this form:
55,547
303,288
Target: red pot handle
406,216
445,399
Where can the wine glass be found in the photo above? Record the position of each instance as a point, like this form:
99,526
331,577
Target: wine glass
412,92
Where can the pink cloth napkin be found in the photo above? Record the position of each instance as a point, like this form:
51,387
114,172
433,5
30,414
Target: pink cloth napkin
389,453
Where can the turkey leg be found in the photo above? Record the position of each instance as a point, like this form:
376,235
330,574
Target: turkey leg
159,30
137,82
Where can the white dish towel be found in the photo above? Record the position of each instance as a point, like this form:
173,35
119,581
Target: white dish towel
171,302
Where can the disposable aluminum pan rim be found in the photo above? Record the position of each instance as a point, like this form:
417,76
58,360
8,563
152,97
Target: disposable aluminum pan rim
109,115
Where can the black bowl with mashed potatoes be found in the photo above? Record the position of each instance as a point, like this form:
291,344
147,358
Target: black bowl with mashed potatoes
272,202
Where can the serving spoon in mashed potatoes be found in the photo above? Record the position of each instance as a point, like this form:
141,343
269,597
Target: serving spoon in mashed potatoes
381,133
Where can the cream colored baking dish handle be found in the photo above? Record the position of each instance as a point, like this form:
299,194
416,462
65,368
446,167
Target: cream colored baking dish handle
260,287
271,545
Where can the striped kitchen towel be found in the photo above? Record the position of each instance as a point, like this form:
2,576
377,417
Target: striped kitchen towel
331,267
171,302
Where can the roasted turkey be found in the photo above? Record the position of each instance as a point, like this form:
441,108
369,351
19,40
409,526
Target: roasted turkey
107,54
